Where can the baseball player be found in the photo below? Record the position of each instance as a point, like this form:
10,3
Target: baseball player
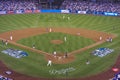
87,62
65,39
66,55
33,46
54,54
63,17
6,42
110,39
49,63
11,38
68,18
3,42
100,38
50,30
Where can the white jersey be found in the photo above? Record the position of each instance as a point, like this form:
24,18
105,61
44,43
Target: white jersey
49,63
54,53
11,38
50,30
63,17
68,18
65,39
100,38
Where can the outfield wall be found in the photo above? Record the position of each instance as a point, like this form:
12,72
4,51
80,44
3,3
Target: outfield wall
60,11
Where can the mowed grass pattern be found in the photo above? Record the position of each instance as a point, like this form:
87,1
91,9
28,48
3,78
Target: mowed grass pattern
35,64
44,42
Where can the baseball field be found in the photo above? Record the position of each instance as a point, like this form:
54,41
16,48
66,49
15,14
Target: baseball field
82,34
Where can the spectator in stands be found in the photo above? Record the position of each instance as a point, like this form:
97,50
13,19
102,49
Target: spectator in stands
75,5
12,5
72,5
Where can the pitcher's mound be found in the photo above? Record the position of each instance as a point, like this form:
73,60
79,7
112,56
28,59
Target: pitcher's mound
56,41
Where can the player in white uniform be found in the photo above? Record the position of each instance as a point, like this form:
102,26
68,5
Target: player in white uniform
11,38
55,54
68,18
49,63
50,30
100,38
65,39
6,42
63,17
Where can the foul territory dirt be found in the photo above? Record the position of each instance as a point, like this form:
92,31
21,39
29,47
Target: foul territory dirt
59,58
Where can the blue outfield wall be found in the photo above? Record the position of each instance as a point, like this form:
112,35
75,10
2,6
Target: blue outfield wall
50,11
3,12
59,11
118,14
110,14
27,11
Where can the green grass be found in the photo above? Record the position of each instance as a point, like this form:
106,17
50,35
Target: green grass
43,42
35,64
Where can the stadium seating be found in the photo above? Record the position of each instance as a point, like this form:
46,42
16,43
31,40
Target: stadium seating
12,5
75,5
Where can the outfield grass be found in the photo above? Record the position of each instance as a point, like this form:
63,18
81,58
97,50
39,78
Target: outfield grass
35,64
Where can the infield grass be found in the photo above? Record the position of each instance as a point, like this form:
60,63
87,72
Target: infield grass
44,42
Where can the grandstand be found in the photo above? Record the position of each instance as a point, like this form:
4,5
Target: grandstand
74,6
78,5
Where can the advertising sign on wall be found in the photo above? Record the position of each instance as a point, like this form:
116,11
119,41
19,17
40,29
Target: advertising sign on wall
19,11
65,11
28,11
110,14
2,12
36,11
81,12
50,11
10,12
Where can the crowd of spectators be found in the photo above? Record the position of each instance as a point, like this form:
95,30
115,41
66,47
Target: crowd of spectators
11,5
72,5
76,5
